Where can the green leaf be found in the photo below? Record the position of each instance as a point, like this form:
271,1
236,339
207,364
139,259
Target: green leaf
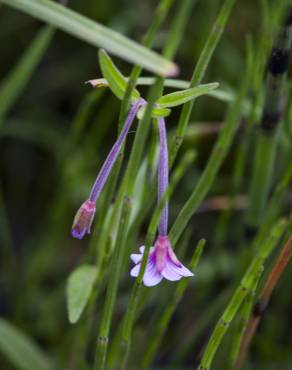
117,82
17,79
20,349
183,96
79,288
156,112
223,95
95,34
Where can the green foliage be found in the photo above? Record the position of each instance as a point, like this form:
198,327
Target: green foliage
236,196
16,81
20,349
116,81
183,96
79,287
94,33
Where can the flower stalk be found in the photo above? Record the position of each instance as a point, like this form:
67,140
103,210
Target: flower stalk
162,261
84,217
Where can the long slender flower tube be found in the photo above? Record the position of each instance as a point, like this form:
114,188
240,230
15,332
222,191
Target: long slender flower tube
162,261
85,215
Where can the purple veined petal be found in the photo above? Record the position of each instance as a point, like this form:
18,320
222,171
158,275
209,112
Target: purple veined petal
151,276
136,258
170,271
135,270
184,271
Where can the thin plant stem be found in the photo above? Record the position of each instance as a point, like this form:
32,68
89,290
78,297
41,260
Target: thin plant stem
130,314
239,295
274,206
167,314
199,73
244,314
263,300
207,316
217,157
182,166
128,182
267,137
158,18
112,289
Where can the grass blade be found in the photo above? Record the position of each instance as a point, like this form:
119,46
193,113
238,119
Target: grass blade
95,34
15,82
116,81
21,351
181,97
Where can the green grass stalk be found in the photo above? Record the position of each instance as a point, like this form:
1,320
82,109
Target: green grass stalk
199,73
244,314
267,137
245,286
17,79
216,159
168,312
130,314
103,336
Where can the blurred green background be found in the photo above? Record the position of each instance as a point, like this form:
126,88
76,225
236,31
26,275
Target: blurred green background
42,183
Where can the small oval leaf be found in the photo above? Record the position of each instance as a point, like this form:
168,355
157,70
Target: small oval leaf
117,82
183,96
79,288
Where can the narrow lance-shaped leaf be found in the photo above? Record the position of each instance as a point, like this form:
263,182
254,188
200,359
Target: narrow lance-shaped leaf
95,34
156,112
183,96
116,81
15,82
79,288
20,349
223,95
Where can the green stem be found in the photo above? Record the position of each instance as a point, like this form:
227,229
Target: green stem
262,175
263,169
128,182
216,159
239,295
135,294
158,17
166,316
19,76
243,319
207,316
199,73
103,339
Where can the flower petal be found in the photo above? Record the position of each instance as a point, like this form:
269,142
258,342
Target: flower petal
184,271
170,271
136,258
152,276
142,248
135,270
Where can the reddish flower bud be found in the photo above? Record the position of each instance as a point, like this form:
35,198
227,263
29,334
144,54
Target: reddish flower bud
83,219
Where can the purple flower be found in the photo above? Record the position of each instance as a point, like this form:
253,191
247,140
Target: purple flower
162,263
85,214
83,219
